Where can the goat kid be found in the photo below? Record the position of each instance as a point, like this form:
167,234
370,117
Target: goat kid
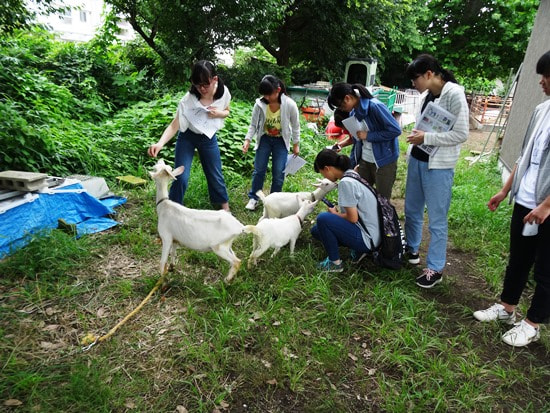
283,204
200,230
277,232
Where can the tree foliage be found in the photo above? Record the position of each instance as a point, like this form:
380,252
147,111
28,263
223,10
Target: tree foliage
479,38
182,31
318,34
14,14
316,37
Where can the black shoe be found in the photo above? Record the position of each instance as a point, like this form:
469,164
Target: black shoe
357,257
429,278
412,258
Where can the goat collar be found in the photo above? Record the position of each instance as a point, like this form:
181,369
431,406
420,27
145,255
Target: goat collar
300,220
161,200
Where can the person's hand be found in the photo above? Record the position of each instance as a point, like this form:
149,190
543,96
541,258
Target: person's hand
416,137
246,145
495,201
214,112
538,215
154,150
296,149
362,134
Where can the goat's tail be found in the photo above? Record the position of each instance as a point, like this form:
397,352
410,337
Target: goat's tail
260,195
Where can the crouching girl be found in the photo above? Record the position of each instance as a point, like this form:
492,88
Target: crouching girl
354,222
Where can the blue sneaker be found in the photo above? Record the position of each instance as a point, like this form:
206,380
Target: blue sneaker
328,266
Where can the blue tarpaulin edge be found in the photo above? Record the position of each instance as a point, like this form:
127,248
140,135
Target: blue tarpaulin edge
18,225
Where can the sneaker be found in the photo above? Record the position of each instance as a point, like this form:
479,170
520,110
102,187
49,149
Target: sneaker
328,266
496,312
429,278
357,257
521,335
413,258
252,203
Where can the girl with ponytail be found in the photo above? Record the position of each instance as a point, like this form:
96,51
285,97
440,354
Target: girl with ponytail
430,177
375,152
351,223
275,123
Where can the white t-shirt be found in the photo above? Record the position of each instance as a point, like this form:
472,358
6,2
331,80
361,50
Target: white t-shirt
526,191
367,154
192,114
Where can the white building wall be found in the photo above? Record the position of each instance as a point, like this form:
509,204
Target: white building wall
81,22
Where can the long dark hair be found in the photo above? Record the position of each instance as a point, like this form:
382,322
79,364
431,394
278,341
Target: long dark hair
328,157
425,62
269,84
543,65
340,90
202,73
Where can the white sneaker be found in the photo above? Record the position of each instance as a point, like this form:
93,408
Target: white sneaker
521,335
251,206
496,312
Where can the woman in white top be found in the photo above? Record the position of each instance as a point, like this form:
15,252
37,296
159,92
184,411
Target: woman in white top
275,122
529,187
201,112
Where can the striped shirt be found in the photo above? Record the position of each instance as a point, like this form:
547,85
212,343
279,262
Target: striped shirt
453,99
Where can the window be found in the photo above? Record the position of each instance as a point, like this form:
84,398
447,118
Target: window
66,17
83,16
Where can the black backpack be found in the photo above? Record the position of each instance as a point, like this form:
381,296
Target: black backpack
391,251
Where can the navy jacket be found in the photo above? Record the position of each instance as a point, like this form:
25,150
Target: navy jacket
383,132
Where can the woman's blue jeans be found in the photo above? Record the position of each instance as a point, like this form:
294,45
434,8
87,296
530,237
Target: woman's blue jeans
430,188
334,231
274,146
209,155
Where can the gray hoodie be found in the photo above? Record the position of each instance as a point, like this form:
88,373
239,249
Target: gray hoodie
542,188
290,122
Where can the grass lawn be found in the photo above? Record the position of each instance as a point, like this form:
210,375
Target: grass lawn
283,337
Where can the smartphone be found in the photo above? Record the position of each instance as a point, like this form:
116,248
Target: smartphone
327,203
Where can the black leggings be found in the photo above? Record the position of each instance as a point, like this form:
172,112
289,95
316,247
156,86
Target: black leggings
524,253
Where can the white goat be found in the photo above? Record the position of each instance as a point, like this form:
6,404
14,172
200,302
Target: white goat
200,230
282,204
277,232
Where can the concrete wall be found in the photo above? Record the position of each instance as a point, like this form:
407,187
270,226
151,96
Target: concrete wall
528,92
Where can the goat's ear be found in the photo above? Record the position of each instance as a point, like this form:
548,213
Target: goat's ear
161,162
178,171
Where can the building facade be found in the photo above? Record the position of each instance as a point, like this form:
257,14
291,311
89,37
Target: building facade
81,21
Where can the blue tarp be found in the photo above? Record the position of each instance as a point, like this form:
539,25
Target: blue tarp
18,224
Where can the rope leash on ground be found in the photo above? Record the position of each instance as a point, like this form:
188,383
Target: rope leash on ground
91,340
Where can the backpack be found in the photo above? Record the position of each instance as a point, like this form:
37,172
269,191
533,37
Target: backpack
391,251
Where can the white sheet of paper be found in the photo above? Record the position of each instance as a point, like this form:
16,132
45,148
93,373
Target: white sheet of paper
293,164
434,119
353,125
198,117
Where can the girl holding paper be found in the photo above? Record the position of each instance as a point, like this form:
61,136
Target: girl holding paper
201,112
430,176
274,123
376,134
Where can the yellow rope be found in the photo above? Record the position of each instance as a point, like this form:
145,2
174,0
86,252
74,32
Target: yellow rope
90,340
